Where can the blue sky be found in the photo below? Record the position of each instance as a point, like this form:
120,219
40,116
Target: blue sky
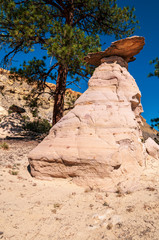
147,14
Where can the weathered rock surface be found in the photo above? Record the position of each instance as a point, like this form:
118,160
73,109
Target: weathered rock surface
148,131
14,92
11,125
125,48
13,99
152,148
98,143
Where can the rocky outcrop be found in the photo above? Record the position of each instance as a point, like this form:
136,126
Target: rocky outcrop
11,125
148,131
152,148
125,48
14,93
98,143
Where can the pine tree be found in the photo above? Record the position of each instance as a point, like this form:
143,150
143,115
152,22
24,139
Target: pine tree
156,70
155,62
67,30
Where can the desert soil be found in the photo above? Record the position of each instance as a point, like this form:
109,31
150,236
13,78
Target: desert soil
31,209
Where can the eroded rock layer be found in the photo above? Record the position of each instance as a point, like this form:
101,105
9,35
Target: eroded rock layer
125,48
98,142
16,92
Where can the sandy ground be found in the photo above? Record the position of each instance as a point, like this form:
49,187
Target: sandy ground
31,209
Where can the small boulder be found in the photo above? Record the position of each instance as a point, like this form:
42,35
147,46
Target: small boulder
16,109
152,148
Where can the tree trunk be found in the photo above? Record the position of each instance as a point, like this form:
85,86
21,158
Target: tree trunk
59,94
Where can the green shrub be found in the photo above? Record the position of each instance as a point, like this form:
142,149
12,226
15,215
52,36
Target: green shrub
12,172
38,126
4,146
34,112
25,98
25,118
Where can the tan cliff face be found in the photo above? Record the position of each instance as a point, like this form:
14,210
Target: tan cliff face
15,92
148,131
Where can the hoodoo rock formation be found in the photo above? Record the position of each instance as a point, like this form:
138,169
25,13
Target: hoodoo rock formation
98,143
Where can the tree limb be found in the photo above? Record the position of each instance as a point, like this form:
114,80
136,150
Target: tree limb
54,5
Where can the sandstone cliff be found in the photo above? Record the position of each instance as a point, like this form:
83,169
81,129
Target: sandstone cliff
15,92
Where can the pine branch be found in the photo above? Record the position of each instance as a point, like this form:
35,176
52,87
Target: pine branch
14,51
54,4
